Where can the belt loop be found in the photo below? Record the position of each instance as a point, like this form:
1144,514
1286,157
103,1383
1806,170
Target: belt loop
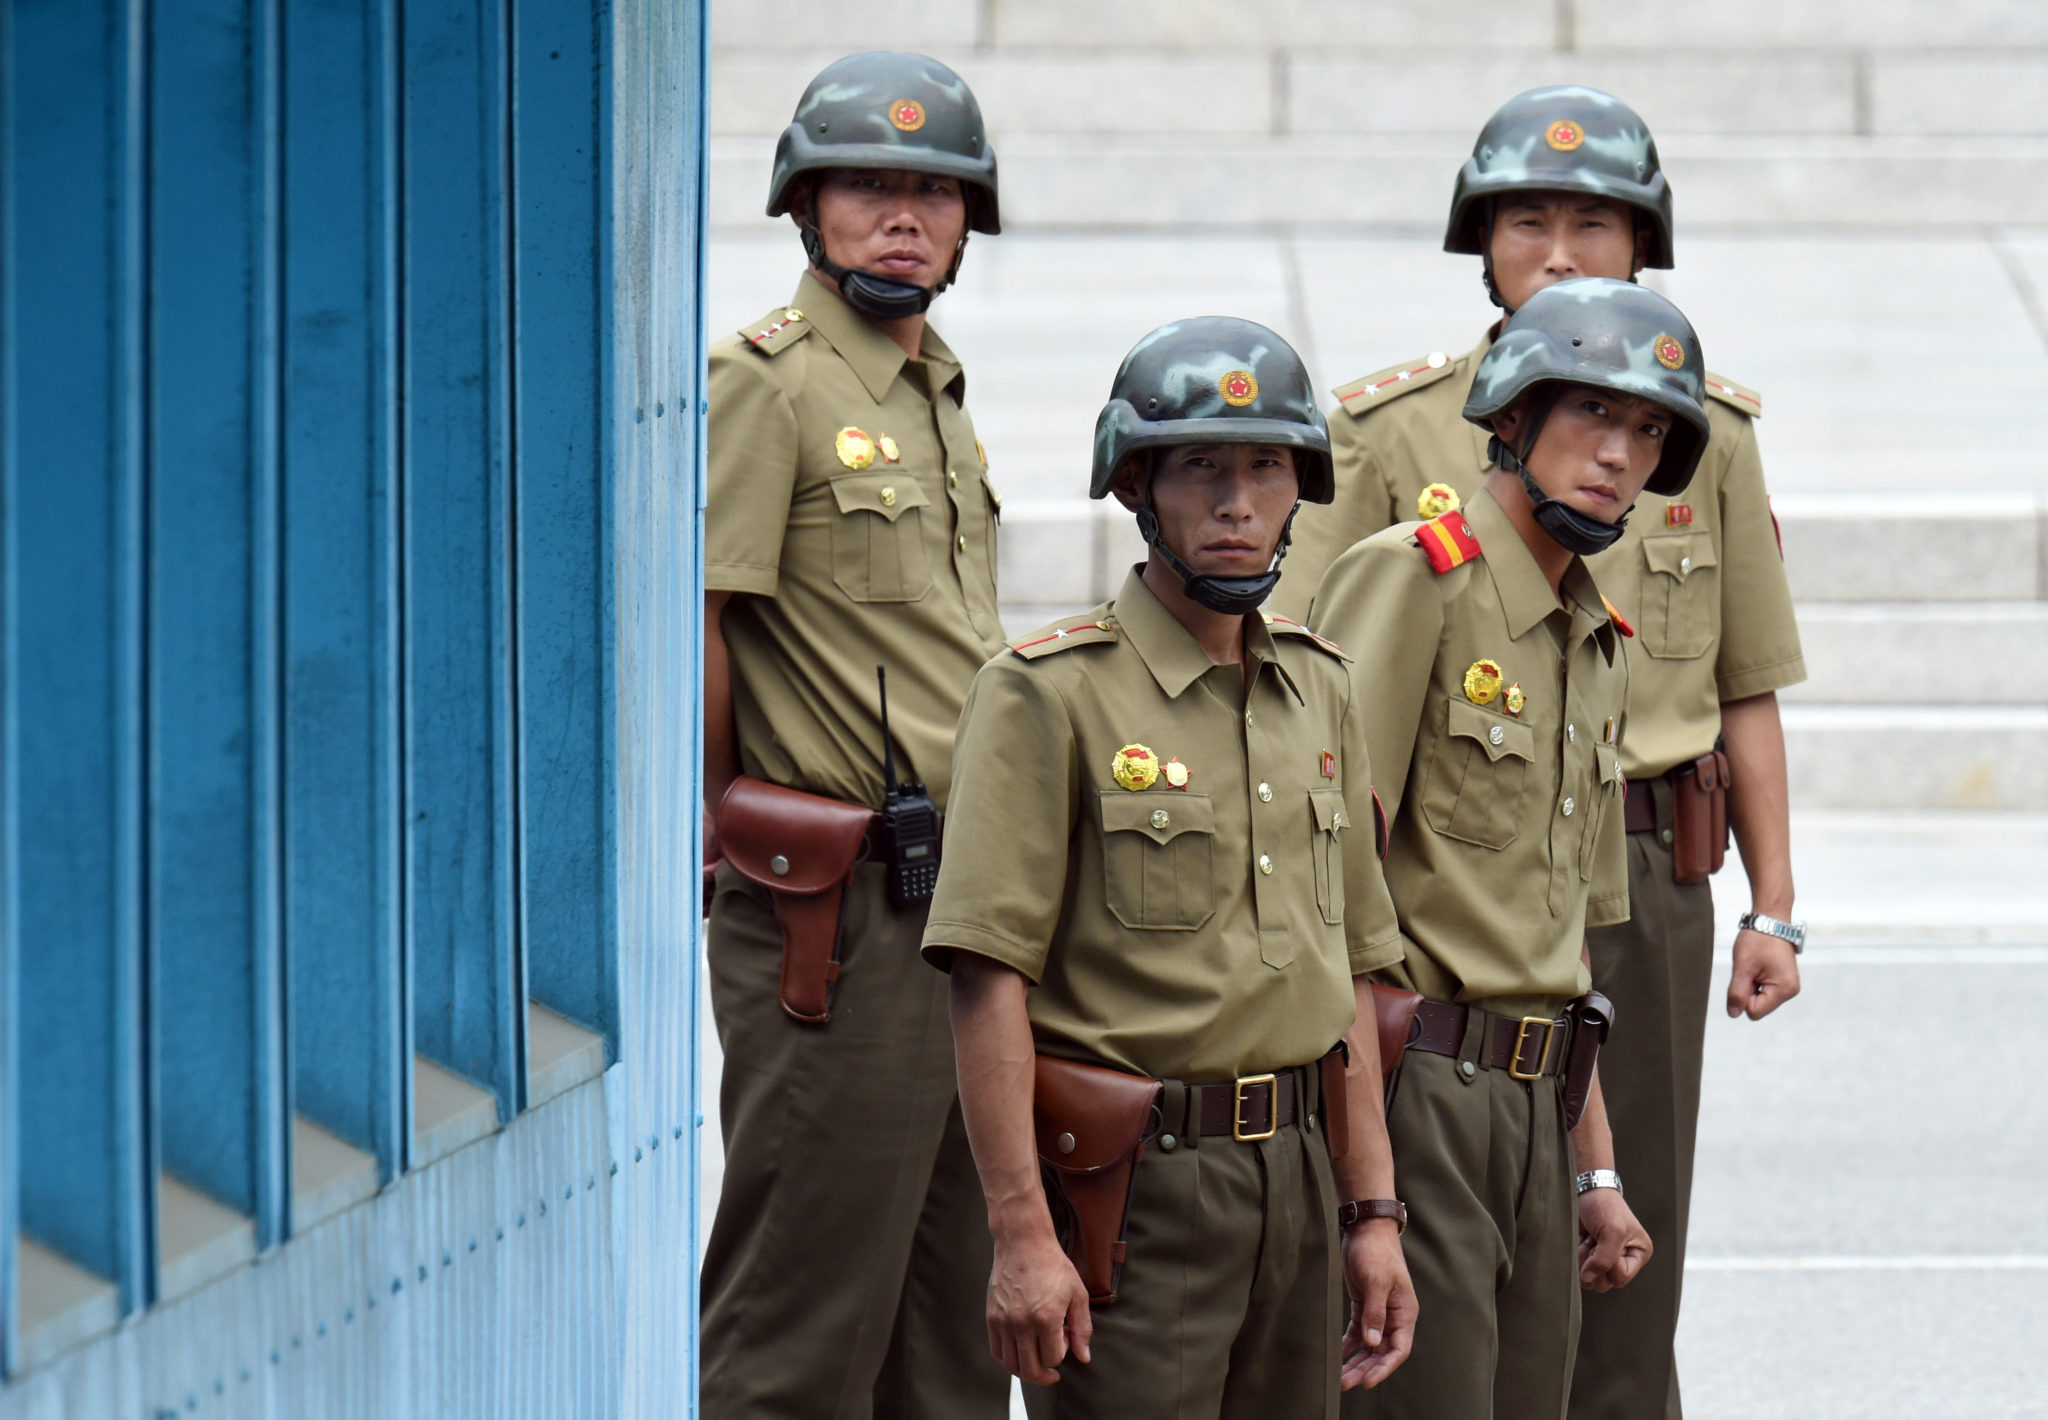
1664,797
1477,1032
1191,1116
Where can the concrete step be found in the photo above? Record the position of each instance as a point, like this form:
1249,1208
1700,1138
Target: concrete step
1135,27
1900,653
1917,756
1222,90
1247,180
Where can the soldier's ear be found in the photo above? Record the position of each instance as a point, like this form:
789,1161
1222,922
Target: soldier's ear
1643,236
1508,423
1125,485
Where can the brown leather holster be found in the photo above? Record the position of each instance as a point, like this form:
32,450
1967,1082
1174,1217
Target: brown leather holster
1394,1014
1592,1016
1092,1125
1699,818
803,848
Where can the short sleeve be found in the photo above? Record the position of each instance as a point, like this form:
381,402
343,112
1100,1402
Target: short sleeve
1607,897
1372,930
1759,648
1380,603
751,466
1003,863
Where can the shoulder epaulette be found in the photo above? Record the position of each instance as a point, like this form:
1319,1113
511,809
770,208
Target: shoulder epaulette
1391,383
1282,626
1739,396
776,331
1447,542
1065,635
1620,623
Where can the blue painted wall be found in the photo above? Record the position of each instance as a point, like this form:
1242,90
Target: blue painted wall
350,465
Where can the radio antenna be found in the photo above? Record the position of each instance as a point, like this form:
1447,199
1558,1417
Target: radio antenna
888,751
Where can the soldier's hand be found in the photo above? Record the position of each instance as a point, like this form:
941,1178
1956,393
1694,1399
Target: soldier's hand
1383,1307
1765,977
1612,1245
1037,1309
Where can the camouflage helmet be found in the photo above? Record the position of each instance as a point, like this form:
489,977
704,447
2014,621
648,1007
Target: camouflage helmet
1213,380
890,109
1566,138
1611,335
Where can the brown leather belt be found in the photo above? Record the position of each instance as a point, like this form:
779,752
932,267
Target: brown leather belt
1254,1107
1639,806
1527,1049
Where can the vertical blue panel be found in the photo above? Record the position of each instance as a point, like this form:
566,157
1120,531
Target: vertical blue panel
563,532
350,1034
74,650
10,857
468,989
212,823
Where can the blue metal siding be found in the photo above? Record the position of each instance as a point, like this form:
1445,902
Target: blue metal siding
351,1038
350,489
213,817
73,555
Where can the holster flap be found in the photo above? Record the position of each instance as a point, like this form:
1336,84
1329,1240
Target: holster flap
1394,1011
1105,1114
813,841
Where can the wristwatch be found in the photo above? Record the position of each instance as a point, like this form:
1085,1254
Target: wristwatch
1793,932
1600,1178
1361,1210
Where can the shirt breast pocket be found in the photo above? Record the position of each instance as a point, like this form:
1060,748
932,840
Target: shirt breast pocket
1158,859
878,541
1477,772
1680,584
1326,806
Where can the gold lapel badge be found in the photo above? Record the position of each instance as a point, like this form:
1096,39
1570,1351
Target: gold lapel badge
1515,700
1177,774
1135,767
855,449
1436,500
889,450
1482,681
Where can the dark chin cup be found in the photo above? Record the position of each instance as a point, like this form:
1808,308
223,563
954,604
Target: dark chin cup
1574,531
1233,596
884,297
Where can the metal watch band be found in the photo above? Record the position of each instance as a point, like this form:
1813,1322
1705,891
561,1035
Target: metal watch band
1360,1210
1793,932
1600,1178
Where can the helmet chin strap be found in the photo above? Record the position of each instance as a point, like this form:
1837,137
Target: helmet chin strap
1232,596
872,293
1569,528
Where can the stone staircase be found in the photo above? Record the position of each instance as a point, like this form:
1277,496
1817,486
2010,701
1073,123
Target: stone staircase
1862,187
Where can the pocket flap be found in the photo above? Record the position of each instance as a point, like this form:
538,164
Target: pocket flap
1609,760
1678,556
1497,736
1160,817
1329,808
889,494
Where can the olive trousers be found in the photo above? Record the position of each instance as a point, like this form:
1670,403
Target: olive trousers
1483,1162
1658,970
847,1270
1231,1303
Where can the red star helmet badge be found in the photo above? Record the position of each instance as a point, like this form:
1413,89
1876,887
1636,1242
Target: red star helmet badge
1238,388
1670,354
907,114
1565,135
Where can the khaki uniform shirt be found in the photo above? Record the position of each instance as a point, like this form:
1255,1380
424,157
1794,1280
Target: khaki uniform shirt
1197,932
1508,838
1699,576
850,508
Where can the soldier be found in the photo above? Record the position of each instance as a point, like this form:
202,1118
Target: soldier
1565,182
851,525
1495,725
1160,879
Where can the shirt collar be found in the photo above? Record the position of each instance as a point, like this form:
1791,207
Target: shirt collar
1525,595
1170,651
875,358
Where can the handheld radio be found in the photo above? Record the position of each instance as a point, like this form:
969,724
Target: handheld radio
909,822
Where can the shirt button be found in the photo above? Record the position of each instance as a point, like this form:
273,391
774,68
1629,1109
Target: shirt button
1567,806
1265,863
1160,818
1168,1143
952,478
961,542
1247,719
1495,735
1265,793
1684,565
1571,732
888,497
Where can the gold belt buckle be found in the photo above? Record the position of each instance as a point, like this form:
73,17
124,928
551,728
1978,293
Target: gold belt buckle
1515,1071
1273,1111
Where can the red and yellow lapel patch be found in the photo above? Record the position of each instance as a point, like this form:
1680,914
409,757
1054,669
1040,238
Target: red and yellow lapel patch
1447,542
1614,616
